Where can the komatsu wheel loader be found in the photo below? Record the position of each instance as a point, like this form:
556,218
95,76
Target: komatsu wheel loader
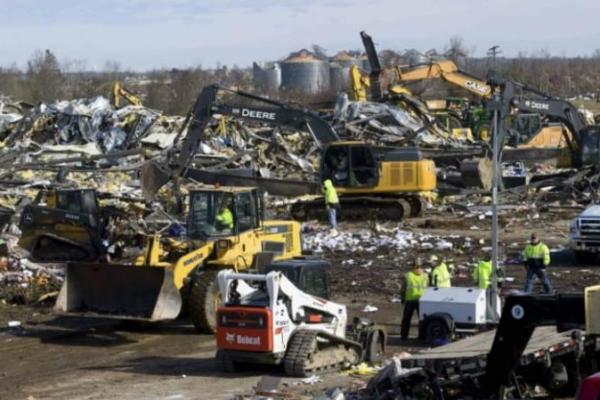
266,319
177,270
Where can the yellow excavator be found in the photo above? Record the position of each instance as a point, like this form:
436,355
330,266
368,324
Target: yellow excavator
121,95
534,132
225,229
372,181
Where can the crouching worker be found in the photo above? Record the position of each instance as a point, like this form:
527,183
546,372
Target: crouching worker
414,285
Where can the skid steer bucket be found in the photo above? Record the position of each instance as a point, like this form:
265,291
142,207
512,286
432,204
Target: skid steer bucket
119,291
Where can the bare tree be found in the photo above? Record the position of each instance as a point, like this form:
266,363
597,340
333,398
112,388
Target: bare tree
457,51
45,78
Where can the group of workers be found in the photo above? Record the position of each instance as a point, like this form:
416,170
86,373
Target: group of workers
536,258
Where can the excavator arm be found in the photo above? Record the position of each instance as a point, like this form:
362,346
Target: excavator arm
207,105
512,95
445,70
119,92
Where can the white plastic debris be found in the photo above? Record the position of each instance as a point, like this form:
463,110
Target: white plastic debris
369,308
311,380
14,324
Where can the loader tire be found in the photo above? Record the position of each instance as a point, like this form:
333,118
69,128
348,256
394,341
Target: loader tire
203,302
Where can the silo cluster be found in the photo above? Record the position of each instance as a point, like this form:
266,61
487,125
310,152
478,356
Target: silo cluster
306,73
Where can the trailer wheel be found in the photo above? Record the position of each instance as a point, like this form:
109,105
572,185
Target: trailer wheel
225,362
437,332
375,348
203,302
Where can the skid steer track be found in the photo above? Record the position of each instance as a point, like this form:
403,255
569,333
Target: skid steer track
306,356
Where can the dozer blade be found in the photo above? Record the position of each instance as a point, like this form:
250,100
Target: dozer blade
152,178
119,291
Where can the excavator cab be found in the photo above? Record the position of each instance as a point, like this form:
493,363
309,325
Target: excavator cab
590,145
350,165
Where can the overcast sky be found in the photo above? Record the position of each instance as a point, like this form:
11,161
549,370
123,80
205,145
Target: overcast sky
144,34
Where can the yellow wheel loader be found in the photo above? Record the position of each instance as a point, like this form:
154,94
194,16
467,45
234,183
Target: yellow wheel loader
224,230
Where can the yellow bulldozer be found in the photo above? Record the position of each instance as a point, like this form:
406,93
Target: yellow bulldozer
225,229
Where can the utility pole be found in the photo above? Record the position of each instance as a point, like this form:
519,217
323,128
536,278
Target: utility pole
493,52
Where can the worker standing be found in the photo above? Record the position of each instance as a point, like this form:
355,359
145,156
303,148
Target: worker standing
331,201
415,283
483,272
536,257
440,277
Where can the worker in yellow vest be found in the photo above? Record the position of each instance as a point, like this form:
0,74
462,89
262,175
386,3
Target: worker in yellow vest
415,283
331,201
440,277
536,257
224,218
482,274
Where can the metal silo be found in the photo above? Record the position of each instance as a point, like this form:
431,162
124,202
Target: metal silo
303,72
339,71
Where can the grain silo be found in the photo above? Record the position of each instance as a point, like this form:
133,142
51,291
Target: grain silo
303,72
266,76
339,71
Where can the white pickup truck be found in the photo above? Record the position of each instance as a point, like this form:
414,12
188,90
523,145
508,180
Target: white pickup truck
584,235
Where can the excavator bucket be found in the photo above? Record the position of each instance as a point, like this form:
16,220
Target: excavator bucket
119,291
152,178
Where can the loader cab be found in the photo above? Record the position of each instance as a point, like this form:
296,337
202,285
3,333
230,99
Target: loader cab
80,201
222,212
307,274
350,165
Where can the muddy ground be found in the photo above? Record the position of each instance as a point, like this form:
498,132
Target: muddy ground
50,357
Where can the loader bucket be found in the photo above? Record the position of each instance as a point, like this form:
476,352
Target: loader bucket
152,178
119,291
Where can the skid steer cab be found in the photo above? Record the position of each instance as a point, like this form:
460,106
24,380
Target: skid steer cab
225,230
266,319
64,225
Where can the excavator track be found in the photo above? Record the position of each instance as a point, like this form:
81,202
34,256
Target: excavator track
307,355
360,208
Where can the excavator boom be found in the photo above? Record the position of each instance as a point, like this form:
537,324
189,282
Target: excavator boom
154,176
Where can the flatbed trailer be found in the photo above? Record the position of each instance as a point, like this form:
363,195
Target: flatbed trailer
459,366
523,358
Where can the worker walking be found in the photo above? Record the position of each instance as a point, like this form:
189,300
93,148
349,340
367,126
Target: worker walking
415,283
536,257
440,277
331,201
482,274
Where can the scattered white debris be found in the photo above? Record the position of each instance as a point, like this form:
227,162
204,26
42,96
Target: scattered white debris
311,380
369,308
14,324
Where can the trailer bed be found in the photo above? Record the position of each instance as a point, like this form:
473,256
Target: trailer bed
469,356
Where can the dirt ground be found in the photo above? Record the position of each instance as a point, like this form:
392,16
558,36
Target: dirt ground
54,357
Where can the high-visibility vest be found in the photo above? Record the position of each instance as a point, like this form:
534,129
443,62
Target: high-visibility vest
415,285
440,277
537,255
331,196
482,274
225,218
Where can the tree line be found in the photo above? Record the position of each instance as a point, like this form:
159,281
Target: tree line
46,79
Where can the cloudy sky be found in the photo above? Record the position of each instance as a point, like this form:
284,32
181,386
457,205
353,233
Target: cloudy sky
144,34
